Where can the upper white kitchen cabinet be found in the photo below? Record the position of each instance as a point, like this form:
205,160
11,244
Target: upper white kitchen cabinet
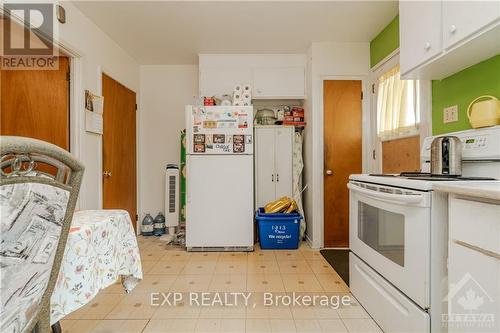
462,19
219,81
272,76
440,38
286,82
420,32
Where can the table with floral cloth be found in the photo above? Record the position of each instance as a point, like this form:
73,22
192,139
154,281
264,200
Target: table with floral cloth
101,248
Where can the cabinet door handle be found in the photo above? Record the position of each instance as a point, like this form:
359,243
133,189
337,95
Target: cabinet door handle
478,249
277,177
427,46
453,28
272,177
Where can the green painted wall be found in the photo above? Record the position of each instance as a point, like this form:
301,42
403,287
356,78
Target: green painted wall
460,89
385,42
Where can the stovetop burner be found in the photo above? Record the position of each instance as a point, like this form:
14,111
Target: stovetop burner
431,177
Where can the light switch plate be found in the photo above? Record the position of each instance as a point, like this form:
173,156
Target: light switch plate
450,114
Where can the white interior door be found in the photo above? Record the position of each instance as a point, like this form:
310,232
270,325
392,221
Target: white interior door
283,160
265,184
219,201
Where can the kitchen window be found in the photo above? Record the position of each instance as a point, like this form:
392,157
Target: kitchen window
398,110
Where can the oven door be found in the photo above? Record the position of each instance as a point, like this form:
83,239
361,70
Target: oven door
389,229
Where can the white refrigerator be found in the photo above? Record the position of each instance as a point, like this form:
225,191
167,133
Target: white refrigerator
219,180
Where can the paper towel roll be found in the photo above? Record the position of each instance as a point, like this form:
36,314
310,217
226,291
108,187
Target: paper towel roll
246,97
238,89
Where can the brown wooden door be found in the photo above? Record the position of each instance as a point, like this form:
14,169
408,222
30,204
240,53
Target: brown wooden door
35,103
342,155
119,148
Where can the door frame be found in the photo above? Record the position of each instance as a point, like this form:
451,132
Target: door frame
76,100
365,139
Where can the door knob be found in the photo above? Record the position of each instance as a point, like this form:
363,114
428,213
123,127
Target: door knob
329,172
107,173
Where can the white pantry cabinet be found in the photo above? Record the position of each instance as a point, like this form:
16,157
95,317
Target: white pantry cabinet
440,38
474,260
272,76
273,163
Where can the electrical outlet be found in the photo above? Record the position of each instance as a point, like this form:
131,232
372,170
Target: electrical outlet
450,114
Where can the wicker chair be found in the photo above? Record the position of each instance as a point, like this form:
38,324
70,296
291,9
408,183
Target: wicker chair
39,187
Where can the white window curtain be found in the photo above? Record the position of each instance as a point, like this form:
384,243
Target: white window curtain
397,106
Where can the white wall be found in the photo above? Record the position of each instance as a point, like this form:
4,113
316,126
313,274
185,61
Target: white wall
326,61
97,52
165,91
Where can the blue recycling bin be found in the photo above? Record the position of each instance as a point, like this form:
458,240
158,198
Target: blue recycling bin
278,231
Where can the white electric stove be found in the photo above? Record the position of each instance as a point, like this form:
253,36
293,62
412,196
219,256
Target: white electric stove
399,236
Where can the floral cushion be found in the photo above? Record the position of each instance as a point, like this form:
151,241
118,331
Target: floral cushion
30,227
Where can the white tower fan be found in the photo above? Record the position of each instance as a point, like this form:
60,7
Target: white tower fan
172,198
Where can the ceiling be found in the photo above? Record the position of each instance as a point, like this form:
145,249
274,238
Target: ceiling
175,32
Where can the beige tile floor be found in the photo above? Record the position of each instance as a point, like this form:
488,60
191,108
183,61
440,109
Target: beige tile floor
168,269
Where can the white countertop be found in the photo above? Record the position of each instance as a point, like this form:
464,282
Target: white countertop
480,189
388,180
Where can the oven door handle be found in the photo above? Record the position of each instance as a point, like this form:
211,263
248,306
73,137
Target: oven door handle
402,198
